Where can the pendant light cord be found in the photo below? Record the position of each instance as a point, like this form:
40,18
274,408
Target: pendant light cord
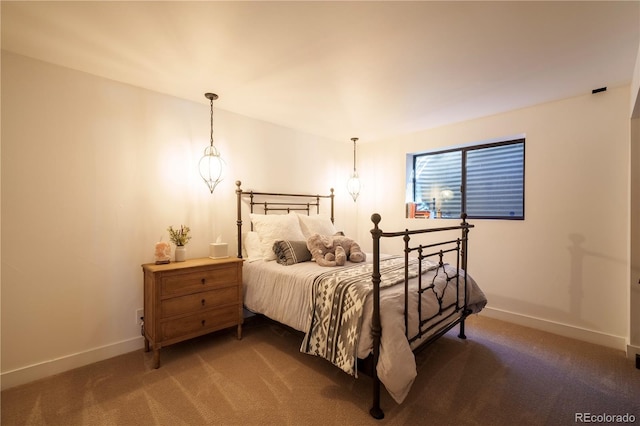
211,101
354,153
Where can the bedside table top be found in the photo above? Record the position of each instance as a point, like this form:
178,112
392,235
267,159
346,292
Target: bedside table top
190,263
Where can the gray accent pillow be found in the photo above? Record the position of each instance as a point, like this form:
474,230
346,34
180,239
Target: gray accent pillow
290,252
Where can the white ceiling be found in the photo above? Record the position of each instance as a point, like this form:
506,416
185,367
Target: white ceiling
341,69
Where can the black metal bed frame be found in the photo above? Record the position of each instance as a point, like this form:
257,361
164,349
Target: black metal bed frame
448,316
308,201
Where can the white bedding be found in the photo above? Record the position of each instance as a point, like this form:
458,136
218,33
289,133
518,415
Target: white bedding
283,293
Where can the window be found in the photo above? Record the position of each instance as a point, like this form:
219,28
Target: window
485,181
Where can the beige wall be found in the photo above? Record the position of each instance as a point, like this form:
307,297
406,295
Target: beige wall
565,267
93,172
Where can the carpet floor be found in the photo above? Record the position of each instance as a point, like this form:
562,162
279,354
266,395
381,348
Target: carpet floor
503,374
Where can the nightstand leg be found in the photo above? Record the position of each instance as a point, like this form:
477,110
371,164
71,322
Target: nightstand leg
146,345
156,358
239,331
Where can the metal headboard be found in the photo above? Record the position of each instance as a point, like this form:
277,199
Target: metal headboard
272,201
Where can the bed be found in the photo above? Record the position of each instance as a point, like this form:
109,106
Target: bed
370,316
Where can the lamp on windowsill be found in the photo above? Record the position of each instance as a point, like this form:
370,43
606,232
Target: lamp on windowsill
353,184
445,195
211,164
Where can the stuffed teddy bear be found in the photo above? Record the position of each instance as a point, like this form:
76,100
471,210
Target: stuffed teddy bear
334,250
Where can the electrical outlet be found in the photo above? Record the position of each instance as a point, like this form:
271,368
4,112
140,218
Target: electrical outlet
139,316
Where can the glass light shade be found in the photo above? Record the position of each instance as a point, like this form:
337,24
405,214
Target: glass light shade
446,194
353,185
211,167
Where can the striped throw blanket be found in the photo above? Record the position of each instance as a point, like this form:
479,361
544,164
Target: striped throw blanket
338,301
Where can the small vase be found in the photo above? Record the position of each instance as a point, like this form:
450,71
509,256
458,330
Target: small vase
181,253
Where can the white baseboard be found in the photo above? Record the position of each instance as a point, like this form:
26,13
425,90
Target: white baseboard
602,339
34,372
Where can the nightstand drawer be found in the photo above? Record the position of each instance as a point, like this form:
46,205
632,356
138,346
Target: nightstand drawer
204,322
189,282
199,301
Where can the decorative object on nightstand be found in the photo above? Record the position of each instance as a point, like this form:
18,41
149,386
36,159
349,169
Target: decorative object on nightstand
180,237
188,299
180,254
218,250
163,253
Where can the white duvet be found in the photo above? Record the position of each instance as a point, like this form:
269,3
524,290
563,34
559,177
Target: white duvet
283,293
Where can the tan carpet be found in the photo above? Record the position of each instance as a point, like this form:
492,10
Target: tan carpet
503,374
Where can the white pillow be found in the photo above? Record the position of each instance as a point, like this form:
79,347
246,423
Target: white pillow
271,228
251,246
316,224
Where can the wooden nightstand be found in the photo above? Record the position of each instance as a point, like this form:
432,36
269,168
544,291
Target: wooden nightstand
186,299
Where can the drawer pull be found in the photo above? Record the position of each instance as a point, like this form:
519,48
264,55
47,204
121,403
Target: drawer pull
203,321
202,302
203,281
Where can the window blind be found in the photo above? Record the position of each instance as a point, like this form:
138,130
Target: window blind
438,179
495,181
485,181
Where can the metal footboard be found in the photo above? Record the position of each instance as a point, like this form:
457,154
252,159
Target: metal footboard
448,315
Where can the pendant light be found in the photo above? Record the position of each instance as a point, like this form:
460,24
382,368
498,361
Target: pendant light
353,185
211,164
